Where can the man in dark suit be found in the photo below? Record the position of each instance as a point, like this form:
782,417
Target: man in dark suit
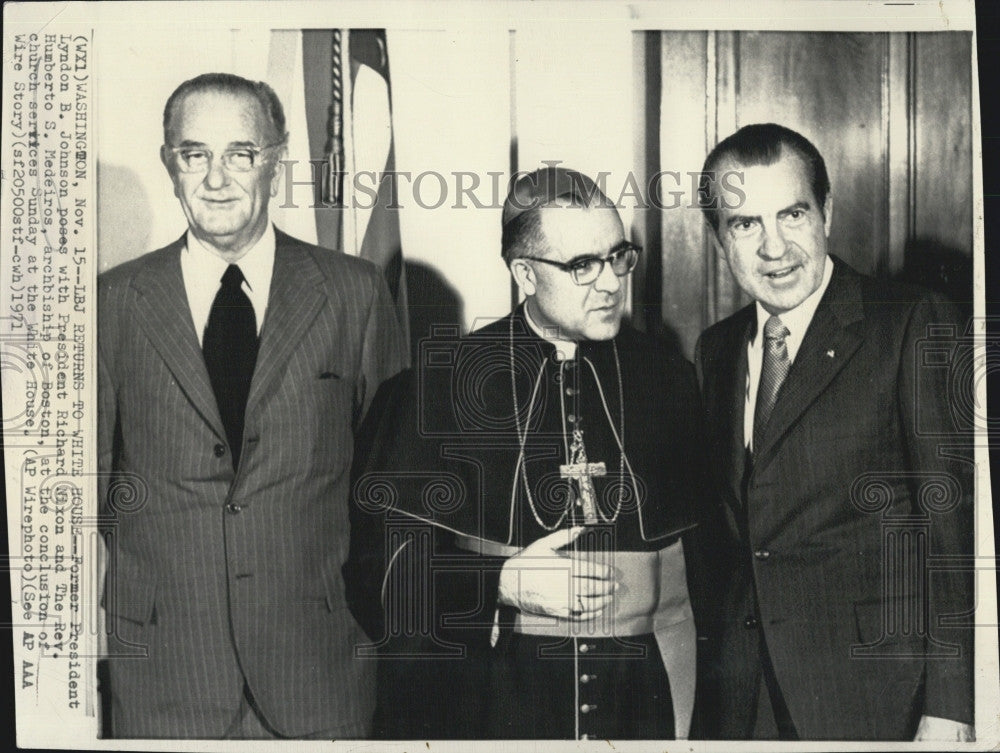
234,367
840,468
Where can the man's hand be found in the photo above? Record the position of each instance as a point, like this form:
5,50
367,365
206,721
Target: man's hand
540,580
936,729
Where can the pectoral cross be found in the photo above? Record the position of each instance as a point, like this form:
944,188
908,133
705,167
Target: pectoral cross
583,472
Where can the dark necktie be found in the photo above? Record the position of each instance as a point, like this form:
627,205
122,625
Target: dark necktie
230,348
773,370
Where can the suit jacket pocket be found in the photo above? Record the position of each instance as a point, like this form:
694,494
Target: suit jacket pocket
305,427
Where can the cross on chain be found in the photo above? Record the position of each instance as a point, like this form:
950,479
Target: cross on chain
584,473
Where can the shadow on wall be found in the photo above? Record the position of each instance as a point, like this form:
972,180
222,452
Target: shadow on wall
124,215
649,318
104,694
431,300
941,268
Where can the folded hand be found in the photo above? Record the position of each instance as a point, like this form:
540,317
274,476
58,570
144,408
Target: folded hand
541,580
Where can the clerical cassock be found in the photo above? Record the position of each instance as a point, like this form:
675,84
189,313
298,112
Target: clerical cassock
491,442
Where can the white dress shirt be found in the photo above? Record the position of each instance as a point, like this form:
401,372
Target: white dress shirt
202,270
797,321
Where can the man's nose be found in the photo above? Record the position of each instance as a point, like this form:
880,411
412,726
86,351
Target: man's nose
217,175
607,281
773,245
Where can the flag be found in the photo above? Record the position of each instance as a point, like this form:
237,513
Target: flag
351,132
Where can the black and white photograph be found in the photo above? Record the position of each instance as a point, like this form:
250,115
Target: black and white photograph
528,375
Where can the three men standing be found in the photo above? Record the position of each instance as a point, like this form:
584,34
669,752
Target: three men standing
237,364
234,367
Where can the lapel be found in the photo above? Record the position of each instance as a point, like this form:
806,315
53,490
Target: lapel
165,317
733,392
294,300
738,393
830,332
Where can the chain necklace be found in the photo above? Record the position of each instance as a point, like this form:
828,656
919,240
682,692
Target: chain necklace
520,469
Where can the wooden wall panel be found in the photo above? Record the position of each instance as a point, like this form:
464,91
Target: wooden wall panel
682,149
828,87
646,288
891,114
723,295
942,92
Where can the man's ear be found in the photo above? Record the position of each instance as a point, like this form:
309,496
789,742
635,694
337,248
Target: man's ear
166,157
523,275
279,170
827,215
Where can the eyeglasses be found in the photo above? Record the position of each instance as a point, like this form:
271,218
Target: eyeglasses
196,159
586,270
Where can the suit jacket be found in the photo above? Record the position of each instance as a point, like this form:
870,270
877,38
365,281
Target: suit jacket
862,472
216,576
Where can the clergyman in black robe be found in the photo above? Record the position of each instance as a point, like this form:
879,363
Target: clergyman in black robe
537,481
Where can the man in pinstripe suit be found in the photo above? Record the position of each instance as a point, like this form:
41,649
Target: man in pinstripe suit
227,606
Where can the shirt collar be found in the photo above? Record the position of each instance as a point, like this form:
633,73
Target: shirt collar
797,320
257,264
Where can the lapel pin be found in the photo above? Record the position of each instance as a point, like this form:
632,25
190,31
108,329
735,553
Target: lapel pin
830,354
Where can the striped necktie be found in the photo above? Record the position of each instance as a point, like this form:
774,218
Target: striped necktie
773,371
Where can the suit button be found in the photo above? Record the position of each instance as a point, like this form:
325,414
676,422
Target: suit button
234,508
762,554
584,648
750,622
219,450
587,708
584,736
584,679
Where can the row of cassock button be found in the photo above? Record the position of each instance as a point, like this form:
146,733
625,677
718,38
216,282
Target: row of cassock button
570,392
586,708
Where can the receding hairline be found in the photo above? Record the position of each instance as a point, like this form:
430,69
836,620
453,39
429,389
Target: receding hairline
569,202
524,234
729,158
591,208
220,90
760,144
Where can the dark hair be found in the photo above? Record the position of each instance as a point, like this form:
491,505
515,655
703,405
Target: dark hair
760,144
230,84
523,235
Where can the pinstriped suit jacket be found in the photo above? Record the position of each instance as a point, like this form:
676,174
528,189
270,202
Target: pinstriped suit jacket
216,577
